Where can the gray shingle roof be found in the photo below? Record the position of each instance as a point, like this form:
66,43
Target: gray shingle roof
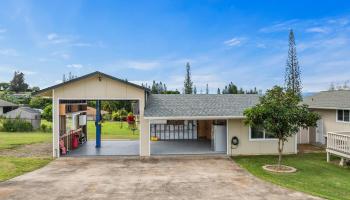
192,105
329,99
4,103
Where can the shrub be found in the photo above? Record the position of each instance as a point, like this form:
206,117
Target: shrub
107,117
116,116
45,128
16,125
123,114
47,113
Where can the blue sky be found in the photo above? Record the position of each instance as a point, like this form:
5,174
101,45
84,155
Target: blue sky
240,41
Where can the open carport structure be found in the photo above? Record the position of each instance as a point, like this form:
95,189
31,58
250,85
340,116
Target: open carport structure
71,97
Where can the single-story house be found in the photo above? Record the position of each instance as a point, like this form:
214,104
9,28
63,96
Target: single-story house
334,109
26,113
216,118
91,113
6,106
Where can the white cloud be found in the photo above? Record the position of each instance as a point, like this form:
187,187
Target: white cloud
28,72
12,69
54,38
233,42
62,55
317,30
81,44
281,26
142,65
76,66
58,81
8,52
261,45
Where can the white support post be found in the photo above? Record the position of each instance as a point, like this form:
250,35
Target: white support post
328,157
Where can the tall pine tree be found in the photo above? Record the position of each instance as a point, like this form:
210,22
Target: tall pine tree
17,84
292,79
188,84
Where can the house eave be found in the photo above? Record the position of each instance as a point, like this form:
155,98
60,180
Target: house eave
194,117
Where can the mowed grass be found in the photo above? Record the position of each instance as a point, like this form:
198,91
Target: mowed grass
112,130
314,176
12,166
10,140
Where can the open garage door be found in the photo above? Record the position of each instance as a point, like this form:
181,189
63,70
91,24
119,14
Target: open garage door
181,137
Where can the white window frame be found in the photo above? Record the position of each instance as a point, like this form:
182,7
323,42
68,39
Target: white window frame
259,139
341,121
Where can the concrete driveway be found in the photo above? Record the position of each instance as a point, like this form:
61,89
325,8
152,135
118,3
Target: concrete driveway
132,178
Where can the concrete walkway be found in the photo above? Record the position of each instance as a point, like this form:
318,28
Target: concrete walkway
149,179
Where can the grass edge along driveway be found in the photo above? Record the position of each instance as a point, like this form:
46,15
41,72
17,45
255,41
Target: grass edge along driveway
314,176
11,166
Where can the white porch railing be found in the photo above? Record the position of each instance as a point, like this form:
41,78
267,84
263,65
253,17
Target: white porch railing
338,143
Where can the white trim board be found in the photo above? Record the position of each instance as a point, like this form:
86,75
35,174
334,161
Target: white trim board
195,117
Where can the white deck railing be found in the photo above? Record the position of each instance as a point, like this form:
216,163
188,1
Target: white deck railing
338,143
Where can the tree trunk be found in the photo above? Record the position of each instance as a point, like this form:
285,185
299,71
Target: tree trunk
280,151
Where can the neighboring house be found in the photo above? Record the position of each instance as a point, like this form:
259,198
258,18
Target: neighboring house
91,113
215,118
6,106
29,114
334,109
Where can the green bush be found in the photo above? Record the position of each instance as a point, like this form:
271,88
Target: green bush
116,116
119,115
47,113
107,117
16,125
123,114
45,128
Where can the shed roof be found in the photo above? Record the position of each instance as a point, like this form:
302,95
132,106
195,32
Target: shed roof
199,105
4,103
87,76
329,99
25,109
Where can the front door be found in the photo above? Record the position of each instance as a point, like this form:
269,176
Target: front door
319,132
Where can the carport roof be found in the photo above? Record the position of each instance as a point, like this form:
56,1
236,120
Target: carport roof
87,76
199,105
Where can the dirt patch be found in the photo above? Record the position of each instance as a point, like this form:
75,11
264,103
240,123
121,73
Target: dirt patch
279,169
30,150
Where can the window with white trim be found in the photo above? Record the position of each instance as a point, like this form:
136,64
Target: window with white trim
258,132
343,115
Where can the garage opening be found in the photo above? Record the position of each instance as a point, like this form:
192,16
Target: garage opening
171,137
99,127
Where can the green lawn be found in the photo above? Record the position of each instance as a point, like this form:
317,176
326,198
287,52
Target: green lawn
112,130
314,176
12,166
14,139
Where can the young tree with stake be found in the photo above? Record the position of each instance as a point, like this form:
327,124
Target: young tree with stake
281,114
